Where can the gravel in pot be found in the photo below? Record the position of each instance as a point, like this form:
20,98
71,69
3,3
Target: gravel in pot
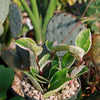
69,92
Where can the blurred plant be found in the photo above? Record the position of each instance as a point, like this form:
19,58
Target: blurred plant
10,25
62,4
92,17
6,79
40,16
92,20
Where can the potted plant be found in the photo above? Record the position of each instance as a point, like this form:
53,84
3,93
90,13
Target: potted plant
51,73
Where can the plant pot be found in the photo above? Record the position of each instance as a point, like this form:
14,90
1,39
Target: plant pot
73,97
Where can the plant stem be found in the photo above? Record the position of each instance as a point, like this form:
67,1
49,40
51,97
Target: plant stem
60,47
60,58
78,22
49,14
35,9
45,6
34,22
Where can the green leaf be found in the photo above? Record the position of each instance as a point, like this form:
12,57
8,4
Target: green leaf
78,71
47,62
34,81
49,45
17,98
19,4
59,74
49,14
29,44
33,72
43,60
4,10
70,70
15,20
85,69
77,51
67,60
58,83
6,79
83,40
12,60
57,86
53,70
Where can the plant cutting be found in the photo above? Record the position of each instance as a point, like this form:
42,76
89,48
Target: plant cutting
51,72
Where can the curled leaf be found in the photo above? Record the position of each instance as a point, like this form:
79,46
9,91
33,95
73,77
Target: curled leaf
29,44
78,71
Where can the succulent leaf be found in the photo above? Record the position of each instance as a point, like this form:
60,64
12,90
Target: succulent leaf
15,19
11,59
29,44
60,25
6,79
83,40
49,45
37,76
67,60
17,98
27,59
4,10
43,59
53,70
34,81
77,51
49,14
78,71
58,85
58,75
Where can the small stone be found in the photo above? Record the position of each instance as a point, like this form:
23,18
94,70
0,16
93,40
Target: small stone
51,97
36,97
60,96
66,87
29,92
64,92
64,97
68,96
31,95
55,98
47,99
35,91
72,93
32,88
76,84
26,90
28,86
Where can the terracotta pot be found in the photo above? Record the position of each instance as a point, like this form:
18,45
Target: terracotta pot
74,97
